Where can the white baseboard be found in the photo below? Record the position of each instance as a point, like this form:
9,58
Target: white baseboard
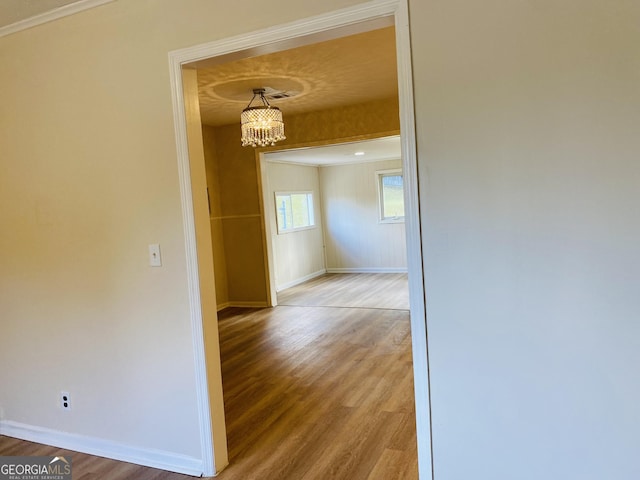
366,270
298,281
222,306
248,304
173,462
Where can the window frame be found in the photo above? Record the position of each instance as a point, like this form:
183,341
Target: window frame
380,174
311,210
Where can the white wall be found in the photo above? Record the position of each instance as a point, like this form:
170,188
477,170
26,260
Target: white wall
298,255
528,141
355,239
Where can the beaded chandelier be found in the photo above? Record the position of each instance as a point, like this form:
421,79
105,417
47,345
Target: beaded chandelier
263,125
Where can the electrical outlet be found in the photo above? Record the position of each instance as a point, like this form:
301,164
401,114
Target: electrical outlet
65,401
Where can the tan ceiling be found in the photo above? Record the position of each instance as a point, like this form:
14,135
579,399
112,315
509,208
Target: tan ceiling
344,71
12,11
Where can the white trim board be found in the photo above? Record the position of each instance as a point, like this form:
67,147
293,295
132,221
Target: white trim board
417,297
300,280
51,15
224,305
366,270
248,304
314,29
163,460
193,276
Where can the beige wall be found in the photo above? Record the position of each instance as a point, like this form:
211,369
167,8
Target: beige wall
89,178
240,204
527,117
527,122
355,239
216,219
370,119
236,219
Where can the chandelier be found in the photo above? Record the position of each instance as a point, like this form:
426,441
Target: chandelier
263,125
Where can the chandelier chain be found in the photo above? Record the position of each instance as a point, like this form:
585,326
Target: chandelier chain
263,125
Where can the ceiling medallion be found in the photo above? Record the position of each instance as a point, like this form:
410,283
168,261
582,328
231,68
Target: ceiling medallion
262,125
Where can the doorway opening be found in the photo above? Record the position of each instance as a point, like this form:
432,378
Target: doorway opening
336,209
363,18
317,375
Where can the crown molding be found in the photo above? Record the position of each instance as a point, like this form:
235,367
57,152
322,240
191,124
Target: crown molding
51,15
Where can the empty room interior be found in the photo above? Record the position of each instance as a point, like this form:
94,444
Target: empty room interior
429,270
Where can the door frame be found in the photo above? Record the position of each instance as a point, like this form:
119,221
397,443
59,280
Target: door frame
334,24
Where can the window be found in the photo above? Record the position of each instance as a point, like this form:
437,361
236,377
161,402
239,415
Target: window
391,196
294,211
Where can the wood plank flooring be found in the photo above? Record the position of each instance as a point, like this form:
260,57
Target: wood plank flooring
310,393
88,467
354,290
318,392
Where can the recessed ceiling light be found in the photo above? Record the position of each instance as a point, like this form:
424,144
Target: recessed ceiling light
359,154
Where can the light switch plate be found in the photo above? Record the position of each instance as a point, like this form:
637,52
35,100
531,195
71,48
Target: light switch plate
154,255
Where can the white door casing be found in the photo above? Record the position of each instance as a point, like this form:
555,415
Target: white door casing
335,24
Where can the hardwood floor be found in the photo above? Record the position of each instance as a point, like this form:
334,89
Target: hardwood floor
354,290
311,392
88,467
320,392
